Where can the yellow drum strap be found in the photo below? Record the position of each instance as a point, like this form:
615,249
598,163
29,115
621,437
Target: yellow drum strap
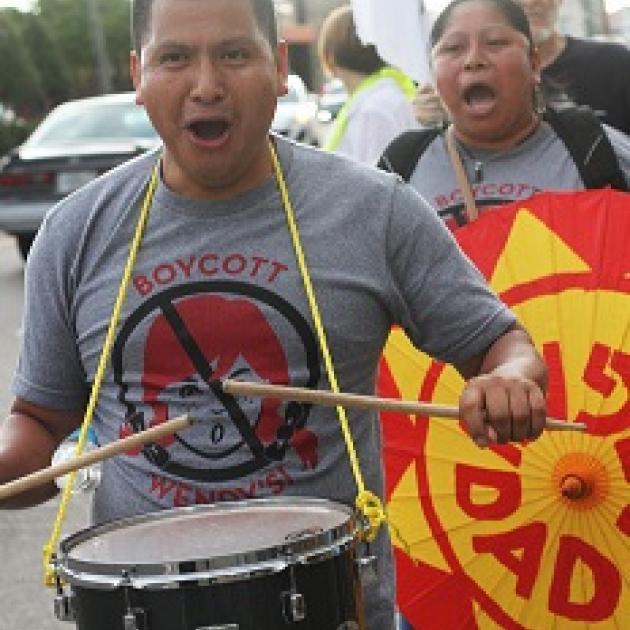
368,503
51,545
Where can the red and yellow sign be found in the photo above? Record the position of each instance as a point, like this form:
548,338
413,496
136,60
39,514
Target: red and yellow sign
525,536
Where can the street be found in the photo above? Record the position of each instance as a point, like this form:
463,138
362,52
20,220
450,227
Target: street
24,602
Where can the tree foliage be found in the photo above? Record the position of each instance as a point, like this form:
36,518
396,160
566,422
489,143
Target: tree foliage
118,40
53,49
20,82
69,21
13,133
48,58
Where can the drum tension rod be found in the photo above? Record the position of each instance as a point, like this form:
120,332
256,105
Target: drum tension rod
135,618
293,603
63,602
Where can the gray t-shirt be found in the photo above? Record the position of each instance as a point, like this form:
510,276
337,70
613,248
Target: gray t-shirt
216,293
542,162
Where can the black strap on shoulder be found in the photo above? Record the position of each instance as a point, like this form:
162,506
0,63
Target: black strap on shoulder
589,146
403,153
578,127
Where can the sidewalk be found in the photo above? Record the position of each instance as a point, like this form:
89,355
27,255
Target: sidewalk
26,604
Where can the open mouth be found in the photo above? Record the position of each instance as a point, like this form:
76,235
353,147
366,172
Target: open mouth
480,98
208,130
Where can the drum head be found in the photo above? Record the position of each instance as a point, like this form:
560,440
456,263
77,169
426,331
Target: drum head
208,538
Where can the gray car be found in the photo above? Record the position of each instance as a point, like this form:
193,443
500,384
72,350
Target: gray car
82,139
296,113
75,143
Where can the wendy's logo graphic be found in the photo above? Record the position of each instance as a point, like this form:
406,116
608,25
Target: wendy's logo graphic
170,355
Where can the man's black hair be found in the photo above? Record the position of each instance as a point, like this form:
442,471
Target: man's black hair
264,11
512,11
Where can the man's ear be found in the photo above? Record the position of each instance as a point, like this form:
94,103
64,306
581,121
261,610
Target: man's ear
282,67
135,71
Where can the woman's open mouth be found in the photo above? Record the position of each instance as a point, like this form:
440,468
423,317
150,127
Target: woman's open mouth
479,98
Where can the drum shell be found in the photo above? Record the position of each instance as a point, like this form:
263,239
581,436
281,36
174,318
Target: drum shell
309,552
330,587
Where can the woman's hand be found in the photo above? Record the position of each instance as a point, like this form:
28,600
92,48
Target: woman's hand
428,107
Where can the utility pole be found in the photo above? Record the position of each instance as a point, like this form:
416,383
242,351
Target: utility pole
300,12
103,67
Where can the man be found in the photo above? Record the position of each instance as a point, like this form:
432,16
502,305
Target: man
591,73
588,72
216,291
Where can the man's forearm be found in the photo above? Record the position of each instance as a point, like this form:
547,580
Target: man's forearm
513,354
25,446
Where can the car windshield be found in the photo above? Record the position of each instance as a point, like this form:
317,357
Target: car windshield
92,121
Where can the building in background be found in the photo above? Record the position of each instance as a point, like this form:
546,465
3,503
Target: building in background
583,18
619,22
299,22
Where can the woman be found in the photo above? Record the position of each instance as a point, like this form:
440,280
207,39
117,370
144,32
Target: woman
379,102
487,74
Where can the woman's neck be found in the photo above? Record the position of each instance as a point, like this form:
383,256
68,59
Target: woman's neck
503,144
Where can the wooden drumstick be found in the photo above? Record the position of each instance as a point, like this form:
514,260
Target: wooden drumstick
332,399
46,475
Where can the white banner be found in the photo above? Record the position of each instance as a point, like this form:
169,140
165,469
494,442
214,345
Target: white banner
400,31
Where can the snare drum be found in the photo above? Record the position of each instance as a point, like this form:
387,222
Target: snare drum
265,564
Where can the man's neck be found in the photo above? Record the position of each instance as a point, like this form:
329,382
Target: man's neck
551,48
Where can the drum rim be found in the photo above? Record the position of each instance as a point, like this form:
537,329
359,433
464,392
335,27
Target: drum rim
236,565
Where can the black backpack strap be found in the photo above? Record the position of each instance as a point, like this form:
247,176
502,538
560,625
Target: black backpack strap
403,153
589,146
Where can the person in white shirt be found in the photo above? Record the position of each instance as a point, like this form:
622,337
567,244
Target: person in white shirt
379,105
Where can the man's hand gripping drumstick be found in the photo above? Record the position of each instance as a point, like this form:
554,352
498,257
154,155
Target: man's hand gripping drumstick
46,475
359,401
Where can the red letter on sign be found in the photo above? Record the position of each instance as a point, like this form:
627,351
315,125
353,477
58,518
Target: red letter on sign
606,582
595,376
623,451
529,540
507,485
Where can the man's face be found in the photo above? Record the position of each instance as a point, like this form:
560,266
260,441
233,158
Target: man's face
542,16
209,81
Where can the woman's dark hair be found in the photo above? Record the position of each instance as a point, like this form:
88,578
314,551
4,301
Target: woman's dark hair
338,40
264,11
513,13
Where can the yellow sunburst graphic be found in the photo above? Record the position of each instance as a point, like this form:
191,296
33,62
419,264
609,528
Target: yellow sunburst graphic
541,532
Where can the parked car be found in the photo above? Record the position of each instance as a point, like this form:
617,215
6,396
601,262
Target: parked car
331,99
75,143
296,113
7,115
